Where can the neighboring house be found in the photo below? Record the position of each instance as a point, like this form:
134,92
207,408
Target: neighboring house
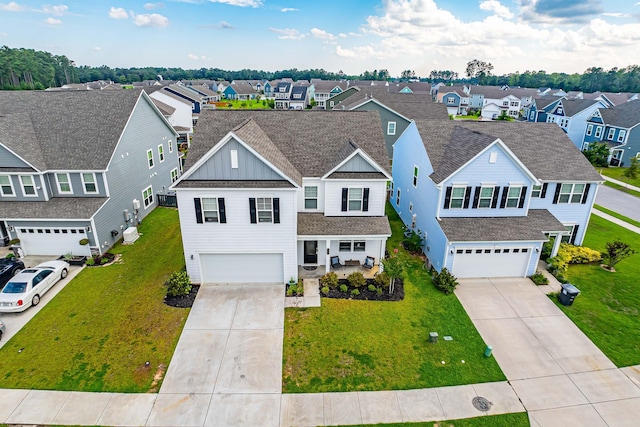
455,99
266,192
76,165
485,196
282,94
299,98
572,115
619,127
176,110
539,107
417,88
396,110
240,90
334,100
208,96
325,89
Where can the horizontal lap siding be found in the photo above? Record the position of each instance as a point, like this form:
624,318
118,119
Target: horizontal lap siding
333,197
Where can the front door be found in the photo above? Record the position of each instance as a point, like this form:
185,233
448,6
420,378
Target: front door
310,252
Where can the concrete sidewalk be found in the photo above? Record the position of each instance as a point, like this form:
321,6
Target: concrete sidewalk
615,220
620,183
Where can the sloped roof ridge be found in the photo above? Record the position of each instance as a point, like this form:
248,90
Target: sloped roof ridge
345,151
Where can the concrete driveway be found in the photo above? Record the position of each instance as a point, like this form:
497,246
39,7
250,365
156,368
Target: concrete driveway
561,377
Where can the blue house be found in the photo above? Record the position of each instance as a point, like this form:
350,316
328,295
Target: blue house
485,196
540,107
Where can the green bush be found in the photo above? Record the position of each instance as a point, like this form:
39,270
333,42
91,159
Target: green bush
104,260
539,279
571,254
379,291
413,243
325,290
372,288
547,247
355,292
445,281
344,288
356,279
11,255
330,279
179,284
90,262
382,280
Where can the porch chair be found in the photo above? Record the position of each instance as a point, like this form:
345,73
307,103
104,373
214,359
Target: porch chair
335,262
369,262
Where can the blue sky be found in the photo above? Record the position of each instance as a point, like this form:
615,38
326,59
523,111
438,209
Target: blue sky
348,35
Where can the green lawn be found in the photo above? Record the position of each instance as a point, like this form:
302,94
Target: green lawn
608,307
617,173
520,419
617,215
243,105
99,331
364,345
621,188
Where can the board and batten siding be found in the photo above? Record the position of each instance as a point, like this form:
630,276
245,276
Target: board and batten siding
238,234
128,172
333,197
357,164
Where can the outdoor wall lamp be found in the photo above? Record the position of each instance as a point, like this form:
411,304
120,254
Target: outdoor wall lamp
191,256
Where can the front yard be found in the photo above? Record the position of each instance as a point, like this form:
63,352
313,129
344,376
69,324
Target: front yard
618,173
608,307
251,104
100,331
364,345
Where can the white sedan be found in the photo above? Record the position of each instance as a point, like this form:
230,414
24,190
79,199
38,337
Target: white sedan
25,288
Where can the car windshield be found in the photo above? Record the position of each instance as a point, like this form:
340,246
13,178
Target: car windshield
14,288
4,261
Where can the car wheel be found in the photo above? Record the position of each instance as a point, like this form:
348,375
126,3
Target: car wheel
64,273
36,300
17,270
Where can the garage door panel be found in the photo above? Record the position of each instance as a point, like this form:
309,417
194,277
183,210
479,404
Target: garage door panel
52,241
242,268
491,262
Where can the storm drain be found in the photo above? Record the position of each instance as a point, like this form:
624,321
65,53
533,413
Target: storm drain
481,404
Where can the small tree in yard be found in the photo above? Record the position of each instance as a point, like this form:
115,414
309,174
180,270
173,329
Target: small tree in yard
445,281
632,171
393,267
179,284
615,252
597,154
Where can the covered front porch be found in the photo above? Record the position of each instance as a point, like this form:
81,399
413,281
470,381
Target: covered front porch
311,272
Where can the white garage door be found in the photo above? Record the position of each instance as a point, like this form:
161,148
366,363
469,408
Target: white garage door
242,268
52,241
491,262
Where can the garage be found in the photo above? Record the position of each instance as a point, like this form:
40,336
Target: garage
242,268
491,262
52,241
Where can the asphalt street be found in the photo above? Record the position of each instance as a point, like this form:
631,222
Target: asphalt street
622,203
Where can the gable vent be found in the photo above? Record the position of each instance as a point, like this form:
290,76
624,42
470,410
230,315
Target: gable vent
493,157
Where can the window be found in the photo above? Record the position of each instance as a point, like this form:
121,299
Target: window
150,158
64,184
89,183
571,193
398,198
598,131
568,238
457,197
161,153
355,199
451,100
170,144
210,209
6,186
359,246
537,191
147,197
174,174
415,176
391,128
265,209
513,197
589,129
612,132
28,188
621,135
486,197
345,246
311,197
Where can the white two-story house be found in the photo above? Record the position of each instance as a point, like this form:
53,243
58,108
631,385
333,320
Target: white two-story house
265,192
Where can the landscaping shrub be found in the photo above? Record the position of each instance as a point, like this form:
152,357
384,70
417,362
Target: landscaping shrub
571,254
10,255
547,247
330,280
356,279
372,288
539,279
90,262
344,288
295,289
324,290
413,243
355,292
445,281
379,291
179,284
382,280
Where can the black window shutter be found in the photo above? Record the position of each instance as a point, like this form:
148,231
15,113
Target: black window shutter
467,197
252,210
543,194
574,234
276,210
496,193
221,211
505,192
557,193
365,200
476,197
523,195
585,195
198,206
447,198
345,194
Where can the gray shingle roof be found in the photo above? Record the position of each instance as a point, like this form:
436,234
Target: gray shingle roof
310,140
74,130
316,224
624,115
543,148
165,109
325,86
499,229
411,106
574,106
233,184
57,207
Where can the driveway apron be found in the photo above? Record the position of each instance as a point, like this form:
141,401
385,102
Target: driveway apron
560,376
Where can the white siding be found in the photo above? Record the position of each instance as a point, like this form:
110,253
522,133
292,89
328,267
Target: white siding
333,197
311,182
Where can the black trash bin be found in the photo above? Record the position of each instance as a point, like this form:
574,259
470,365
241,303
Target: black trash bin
568,294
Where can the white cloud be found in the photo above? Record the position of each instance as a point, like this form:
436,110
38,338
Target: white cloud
58,10
616,14
226,26
322,34
240,3
96,48
12,7
118,13
287,33
497,8
151,20
4,34
288,9
53,21
151,6
192,56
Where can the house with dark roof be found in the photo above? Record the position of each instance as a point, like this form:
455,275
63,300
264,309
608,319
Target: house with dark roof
265,193
619,128
282,94
176,110
456,98
572,115
485,196
240,90
539,107
325,89
80,165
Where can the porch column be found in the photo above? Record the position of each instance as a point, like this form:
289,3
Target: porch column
556,245
327,257
383,244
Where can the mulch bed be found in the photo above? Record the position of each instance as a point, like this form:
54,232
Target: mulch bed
183,301
366,294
